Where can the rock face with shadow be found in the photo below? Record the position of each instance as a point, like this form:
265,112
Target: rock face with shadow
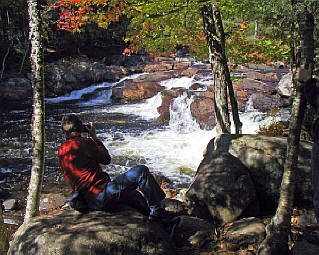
264,158
125,231
222,189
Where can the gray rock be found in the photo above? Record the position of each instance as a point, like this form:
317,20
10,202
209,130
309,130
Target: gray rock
264,157
51,201
244,232
174,206
264,103
10,204
70,232
303,247
192,230
285,86
222,188
307,217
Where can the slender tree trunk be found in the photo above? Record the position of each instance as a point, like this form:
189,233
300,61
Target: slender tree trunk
276,241
256,29
37,126
3,235
215,36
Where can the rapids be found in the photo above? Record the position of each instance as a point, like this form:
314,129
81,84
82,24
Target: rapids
129,131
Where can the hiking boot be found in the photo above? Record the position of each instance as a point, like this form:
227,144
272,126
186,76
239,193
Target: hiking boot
160,215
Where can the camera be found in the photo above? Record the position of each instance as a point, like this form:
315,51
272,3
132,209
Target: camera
86,128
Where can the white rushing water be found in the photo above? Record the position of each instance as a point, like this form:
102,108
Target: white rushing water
146,110
174,150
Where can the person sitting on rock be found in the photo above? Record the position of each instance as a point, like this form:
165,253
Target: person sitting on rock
80,160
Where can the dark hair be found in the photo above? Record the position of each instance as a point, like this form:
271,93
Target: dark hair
71,123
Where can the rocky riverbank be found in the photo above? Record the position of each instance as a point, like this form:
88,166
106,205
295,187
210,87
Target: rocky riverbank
224,210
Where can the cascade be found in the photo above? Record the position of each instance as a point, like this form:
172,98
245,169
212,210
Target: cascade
181,119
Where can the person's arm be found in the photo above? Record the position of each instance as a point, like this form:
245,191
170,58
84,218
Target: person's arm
97,149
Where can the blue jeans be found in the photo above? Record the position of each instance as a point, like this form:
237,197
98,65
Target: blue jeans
123,190
315,177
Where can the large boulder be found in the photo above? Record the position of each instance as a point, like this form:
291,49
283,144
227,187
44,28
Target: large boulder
264,157
222,189
133,91
265,102
244,232
271,77
156,76
63,76
70,232
163,66
203,110
285,86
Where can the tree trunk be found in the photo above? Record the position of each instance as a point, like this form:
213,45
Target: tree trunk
256,29
276,241
3,235
37,126
215,36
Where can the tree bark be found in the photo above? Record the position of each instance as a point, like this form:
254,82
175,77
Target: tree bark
215,37
37,125
3,235
276,241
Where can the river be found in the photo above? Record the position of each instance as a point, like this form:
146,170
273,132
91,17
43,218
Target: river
129,131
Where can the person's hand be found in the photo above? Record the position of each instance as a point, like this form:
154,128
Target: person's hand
92,131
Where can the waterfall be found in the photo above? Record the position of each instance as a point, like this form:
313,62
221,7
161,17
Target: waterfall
146,110
250,105
181,119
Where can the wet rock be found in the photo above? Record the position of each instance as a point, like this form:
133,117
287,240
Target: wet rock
51,201
174,206
203,74
302,247
181,65
271,77
264,157
162,180
242,98
192,230
285,86
63,76
133,91
125,231
162,59
264,102
189,72
222,188
253,86
197,86
244,232
10,204
156,76
168,97
203,110
162,66
15,89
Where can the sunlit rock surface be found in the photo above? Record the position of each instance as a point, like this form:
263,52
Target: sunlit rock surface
70,232
264,157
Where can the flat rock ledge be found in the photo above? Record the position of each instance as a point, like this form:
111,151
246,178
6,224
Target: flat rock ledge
65,232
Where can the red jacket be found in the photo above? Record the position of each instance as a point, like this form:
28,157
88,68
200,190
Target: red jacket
80,160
